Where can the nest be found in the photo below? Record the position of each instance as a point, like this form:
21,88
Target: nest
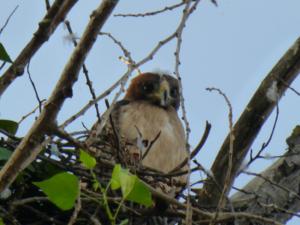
27,204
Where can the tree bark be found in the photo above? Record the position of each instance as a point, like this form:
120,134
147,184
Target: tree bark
275,192
249,124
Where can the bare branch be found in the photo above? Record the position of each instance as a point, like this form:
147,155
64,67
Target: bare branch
187,11
122,81
167,8
276,187
40,102
85,72
121,46
252,119
77,207
31,112
47,3
8,19
265,144
47,26
197,148
227,182
31,145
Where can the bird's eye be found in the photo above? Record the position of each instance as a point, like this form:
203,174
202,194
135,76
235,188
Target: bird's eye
174,92
148,87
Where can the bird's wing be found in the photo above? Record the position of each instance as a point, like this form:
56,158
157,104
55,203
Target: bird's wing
106,141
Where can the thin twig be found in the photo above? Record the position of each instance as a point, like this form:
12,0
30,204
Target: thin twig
214,2
2,65
24,201
289,86
265,144
34,141
230,154
31,112
187,11
121,81
8,18
58,10
167,8
42,215
251,121
116,135
197,148
126,53
277,208
287,190
47,3
151,144
7,134
40,102
77,207
85,71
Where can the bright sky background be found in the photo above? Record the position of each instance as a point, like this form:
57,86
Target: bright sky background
231,47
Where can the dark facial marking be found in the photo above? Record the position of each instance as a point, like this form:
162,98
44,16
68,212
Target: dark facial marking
148,87
144,85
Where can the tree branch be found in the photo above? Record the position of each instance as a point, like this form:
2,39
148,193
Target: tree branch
250,122
55,15
277,186
31,144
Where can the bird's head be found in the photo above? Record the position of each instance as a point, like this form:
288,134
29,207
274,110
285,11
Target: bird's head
160,90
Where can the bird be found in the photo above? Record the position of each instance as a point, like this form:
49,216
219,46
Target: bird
147,123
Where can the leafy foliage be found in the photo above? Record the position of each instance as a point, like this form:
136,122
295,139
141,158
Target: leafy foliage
131,186
4,154
9,126
87,160
4,55
61,189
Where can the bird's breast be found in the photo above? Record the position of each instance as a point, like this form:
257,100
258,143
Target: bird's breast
147,122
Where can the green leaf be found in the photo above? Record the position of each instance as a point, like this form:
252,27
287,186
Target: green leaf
9,126
124,222
115,177
4,154
1,221
140,193
62,189
4,55
87,160
131,186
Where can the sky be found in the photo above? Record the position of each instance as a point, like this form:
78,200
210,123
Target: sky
231,47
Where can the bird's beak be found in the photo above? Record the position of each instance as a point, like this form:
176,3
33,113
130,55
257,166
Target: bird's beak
164,93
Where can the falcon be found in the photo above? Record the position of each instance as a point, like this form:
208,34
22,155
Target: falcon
147,124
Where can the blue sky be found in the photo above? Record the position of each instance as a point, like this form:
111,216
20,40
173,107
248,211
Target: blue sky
231,47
